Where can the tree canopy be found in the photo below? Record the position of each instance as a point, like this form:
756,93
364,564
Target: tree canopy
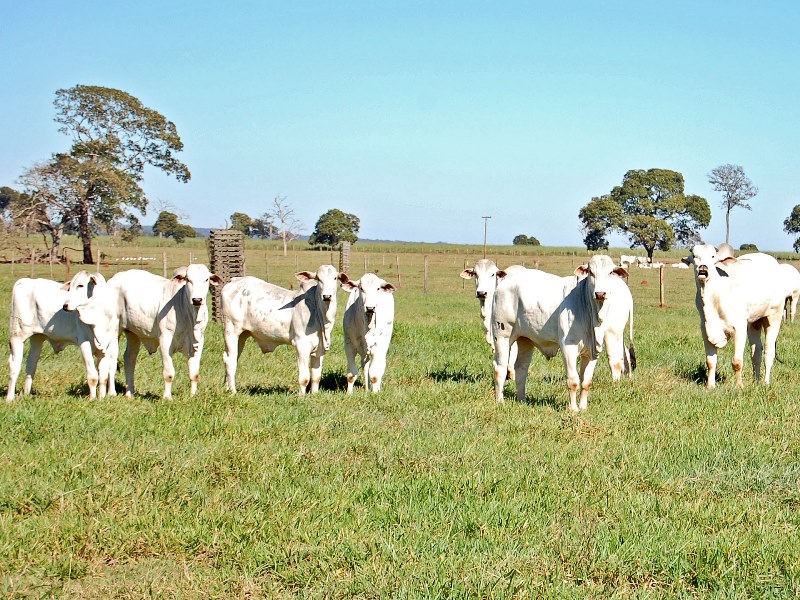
524,240
114,137
167,225
335,227
650,207
736,190
792,225
242,222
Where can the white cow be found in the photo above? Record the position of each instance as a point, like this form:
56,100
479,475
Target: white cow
274,316
368,323
484,273
169,315
616,313
738,298
791,278
626,260
41,310
539,310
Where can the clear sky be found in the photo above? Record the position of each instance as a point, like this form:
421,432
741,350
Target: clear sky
421,117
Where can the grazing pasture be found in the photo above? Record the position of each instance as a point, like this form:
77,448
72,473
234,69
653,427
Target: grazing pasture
426,489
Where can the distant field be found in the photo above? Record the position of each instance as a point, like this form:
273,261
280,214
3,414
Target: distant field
428,489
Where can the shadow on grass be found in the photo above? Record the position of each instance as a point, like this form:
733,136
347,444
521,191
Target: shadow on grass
697,373
460,375
267,390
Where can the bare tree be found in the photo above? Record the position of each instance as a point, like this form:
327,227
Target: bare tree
282,214
736,190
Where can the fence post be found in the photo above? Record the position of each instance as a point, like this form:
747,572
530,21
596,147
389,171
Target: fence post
464,281
66,263
164,258
98,260
397,257
661,286
32,255
425,275
13,257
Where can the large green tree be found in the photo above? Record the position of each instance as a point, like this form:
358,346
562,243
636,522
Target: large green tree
736,190
167,225
651,208
335,227
114,137
792,225
242,222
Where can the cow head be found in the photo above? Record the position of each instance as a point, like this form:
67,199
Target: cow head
369,288
325,279
196,279
705,258
483,273
80,288
600,270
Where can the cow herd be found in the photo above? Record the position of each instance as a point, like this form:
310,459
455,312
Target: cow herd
522,310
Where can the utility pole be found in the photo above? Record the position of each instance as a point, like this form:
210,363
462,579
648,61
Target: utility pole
485,231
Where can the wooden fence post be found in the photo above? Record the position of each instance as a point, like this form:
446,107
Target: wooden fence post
32,255
661,286
164,258
397,257
464,281
425,275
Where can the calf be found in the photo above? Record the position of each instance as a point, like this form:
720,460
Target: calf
539,310
42,310
169,315
368,323
791,279
737,298
275,316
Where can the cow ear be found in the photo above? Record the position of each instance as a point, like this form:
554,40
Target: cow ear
215,279
305,276
728,260
621,272
467,274
179,273
687,260
388,287
347,284
500,274
582,270
65,286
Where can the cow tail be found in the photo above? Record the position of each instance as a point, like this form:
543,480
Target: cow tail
631,351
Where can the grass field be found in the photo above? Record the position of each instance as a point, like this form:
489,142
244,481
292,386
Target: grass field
428,489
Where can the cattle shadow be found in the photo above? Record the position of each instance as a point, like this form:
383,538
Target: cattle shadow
698,374
457,375
267,390
333,381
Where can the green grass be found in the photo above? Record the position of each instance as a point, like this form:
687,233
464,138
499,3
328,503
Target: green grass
428,489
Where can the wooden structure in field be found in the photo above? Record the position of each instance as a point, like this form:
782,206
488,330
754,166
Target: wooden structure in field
226,252
344,258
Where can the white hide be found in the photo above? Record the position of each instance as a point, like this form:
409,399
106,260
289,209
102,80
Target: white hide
43,311
274,316
539,310
368,324
790,277
738,298
169,315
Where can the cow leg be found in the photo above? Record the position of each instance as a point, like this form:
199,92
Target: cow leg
771,336
570,355
16,346
92,376
34,352
524,354
615,348
168,368
352,366
303,368
740,336
588,365
711,362
512,361
501,349
316,371
194,370
132,345
377,367
234,346
756,349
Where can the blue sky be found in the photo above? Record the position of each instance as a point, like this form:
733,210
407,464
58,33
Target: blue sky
421,117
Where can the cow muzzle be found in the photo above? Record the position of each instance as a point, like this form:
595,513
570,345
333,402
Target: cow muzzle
601,296
481,295
370,310
66,306
702,272
326,297
197,301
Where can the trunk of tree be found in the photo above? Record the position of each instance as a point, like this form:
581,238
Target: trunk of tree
55,236
85,231
728,226
285,244
650,250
